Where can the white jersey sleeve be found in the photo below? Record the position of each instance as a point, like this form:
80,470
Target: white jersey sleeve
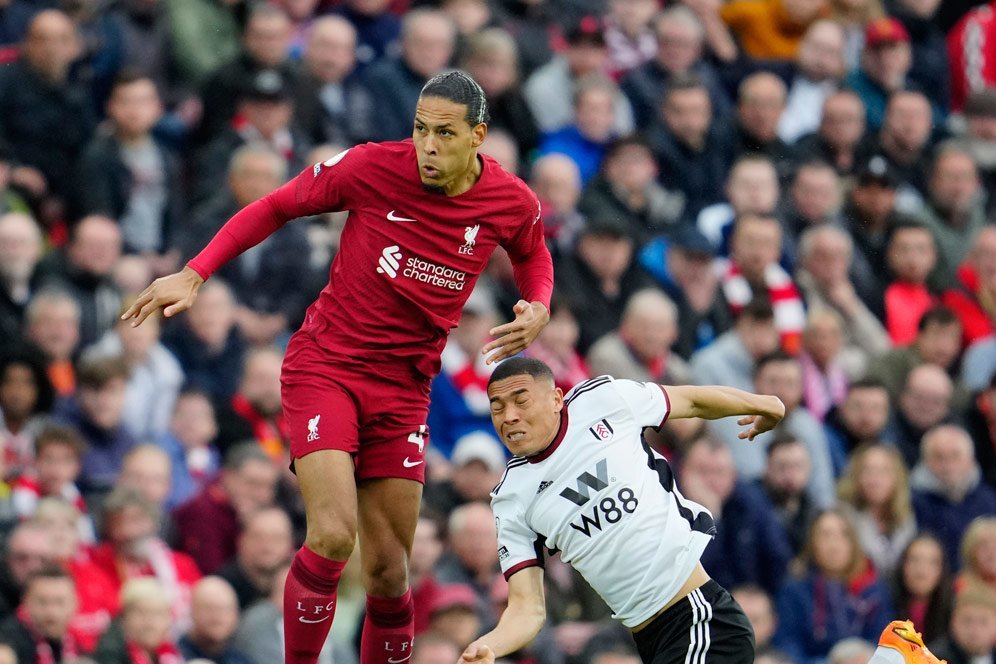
648,401
518,546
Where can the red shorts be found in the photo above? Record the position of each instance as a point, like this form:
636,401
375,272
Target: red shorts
376,413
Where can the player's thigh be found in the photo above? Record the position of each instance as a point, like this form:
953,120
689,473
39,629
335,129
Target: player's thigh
388,510
330,501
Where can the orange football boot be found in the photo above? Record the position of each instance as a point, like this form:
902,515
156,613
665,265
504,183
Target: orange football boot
902,644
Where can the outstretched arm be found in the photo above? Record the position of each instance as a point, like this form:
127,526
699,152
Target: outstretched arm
760,412
519,624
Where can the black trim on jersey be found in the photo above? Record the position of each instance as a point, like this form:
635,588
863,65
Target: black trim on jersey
538,561
514,462
703,523
586,386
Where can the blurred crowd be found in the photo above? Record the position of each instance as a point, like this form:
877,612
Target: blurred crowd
786,196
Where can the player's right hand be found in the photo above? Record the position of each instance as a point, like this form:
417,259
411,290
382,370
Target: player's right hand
478,654
174,294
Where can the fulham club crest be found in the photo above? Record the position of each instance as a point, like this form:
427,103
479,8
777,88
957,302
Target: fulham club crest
602,431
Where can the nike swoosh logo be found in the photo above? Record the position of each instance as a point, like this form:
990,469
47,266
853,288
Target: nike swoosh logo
410,464
311,622
393,217
403,659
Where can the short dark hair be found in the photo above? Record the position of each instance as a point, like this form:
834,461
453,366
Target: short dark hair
939,315
97,373
758,309
130,75
867,384
55,434
781,441
518,366
773,358
902,222
244,452
682,83
458,87
49,571
629,141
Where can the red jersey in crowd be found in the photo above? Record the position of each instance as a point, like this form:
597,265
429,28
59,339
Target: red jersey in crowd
972,53
408,257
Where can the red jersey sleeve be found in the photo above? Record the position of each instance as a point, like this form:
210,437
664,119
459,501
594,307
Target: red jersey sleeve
323,187
532,265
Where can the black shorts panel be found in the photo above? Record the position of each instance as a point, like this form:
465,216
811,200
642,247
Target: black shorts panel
706,627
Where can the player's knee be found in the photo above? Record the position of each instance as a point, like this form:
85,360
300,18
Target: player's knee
331,541
385,578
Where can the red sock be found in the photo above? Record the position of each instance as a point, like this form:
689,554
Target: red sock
309,604
388,630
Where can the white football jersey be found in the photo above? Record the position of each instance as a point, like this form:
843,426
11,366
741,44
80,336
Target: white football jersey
605,500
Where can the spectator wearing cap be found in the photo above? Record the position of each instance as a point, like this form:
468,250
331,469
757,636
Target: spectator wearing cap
265,49
818,70
477,463
771,29
598,276
955,211
627,187
460,402
641,348
683,266
680,39
841,132
428,38
454,613
911,255
264,111
689,146
905,140
549,86
825,257
930,70
273,286
885,63
972,54
586,139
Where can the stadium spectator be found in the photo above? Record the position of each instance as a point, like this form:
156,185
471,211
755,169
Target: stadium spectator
97,412
599,276
834,596
978,547
819,68
825,256
557,182
690,149
905,142
378,28
208,344
255,413
972,631
972,65
84,269
627,187
753,272
265,547
427,44
875,495
947,491
146,469
26,397
56,464
188,443
885,63
955,211
20,252
476,465
922,588
629,34
29,549
154,378
46,116
683,266
640,349
926,401
501,145
824,381
472,555
215,616
730,359
760,610
761,102
427,547
265,49
40,628
852,650
911,255
975,278
434,648
52,321
786,476
750,545
978,421
330,104
492,59
771,30
591,130
208,526
814,199
861,418
129,175
454,613
976,135
679,53
838,138
132,549
930,70
751,189
556,346
143,632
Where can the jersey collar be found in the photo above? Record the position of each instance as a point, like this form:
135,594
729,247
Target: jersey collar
552,447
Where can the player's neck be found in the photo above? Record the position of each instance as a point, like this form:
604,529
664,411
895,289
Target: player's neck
468,179
551,437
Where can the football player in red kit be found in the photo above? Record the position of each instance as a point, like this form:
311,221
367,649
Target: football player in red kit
425,215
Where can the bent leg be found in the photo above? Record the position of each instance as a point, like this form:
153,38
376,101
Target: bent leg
388,510
329,490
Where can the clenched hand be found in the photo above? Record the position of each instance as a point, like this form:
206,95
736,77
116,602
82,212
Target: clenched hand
174,294
512,338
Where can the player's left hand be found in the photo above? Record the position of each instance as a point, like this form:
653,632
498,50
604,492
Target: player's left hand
478,653
512,338
762,421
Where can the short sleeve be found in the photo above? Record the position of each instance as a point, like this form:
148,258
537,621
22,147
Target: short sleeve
518,546
648,402
528,235
328,185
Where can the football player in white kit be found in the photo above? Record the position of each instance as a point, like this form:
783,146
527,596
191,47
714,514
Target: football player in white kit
584,482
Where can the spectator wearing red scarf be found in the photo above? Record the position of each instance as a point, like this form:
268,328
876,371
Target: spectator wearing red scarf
255,413
39,631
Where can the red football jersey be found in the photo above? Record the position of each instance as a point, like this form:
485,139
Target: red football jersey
408,258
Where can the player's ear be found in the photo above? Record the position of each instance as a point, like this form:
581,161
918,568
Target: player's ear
479,132
558,398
